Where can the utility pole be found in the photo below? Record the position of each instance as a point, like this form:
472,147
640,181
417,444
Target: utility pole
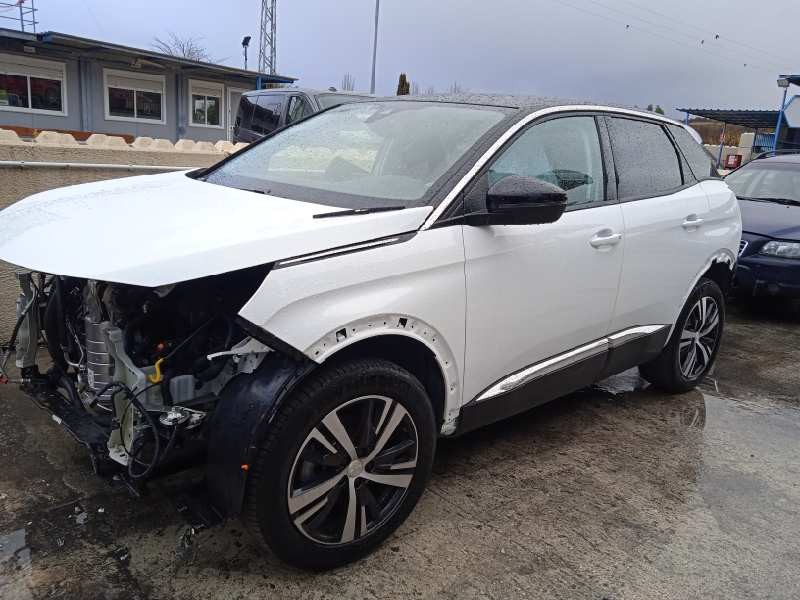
266,40
374,47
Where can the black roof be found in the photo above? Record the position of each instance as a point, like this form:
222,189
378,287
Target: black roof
522,101
525,103
752,119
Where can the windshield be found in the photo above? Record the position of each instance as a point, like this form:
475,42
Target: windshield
328,100
766,181
363,154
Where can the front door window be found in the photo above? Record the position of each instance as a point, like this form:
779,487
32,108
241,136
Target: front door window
564,152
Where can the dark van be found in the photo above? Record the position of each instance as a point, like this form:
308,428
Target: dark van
262,111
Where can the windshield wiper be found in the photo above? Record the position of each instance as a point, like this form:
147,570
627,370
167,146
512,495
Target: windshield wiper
788,201
357,211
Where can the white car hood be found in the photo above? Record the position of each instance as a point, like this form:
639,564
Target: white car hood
158,229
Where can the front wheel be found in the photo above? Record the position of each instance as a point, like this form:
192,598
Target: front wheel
693,346
345,462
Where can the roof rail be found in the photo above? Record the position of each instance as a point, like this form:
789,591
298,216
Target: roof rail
769,153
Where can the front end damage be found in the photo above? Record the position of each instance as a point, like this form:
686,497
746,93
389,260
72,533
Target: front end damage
135,374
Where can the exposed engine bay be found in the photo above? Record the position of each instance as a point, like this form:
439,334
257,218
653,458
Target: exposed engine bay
145,365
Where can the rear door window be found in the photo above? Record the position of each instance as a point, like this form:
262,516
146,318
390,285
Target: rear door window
700,161
299,108
267,113
647,162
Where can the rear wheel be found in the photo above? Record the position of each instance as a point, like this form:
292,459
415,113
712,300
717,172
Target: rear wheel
693,347
346,460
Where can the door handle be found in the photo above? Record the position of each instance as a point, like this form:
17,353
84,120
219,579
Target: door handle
692,222
605,238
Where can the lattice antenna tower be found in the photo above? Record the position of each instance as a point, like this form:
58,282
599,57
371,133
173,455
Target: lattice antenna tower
266,40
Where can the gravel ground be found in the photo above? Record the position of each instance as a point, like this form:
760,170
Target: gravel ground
613,492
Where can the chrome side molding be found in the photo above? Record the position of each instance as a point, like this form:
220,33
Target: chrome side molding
560,361
626,335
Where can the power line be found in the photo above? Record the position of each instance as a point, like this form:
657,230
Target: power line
691,37
705,30
678,43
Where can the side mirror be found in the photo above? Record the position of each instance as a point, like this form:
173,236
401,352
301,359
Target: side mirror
517,200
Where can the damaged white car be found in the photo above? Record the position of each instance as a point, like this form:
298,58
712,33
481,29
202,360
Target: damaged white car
305,318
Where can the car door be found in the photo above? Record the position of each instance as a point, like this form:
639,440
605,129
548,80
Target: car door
536,292
665,211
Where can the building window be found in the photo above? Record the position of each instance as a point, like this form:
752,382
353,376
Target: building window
205,103
134,96
32,85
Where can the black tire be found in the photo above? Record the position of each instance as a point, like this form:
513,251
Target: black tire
668,371
353,391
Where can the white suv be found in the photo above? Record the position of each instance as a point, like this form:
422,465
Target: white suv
307,317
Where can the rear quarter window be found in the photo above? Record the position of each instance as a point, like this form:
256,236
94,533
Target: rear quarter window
700,161
646,160
245,112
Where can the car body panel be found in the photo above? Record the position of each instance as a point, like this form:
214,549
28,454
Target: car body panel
155,230
534,291
760,275
771,219
662,257
323,306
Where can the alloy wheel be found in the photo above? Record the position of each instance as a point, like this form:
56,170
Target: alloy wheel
353,470
699,337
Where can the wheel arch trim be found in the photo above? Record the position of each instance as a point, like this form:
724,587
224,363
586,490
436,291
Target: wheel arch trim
724,256
407,326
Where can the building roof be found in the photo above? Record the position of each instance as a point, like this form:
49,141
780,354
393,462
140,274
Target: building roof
752,119
64,41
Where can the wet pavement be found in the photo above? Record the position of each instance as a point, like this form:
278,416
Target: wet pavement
613,492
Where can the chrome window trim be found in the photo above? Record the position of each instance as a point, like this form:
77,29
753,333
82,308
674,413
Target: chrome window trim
560,361
511,131
288,262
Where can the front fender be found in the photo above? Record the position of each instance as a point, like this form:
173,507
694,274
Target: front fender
246,409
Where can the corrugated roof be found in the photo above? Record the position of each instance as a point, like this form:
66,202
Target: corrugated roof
752,119
74,42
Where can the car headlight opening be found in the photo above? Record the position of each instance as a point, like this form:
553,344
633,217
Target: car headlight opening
781,249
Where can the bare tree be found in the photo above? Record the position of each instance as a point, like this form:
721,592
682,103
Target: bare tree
348,82
455,88
188,47
414,88
430,91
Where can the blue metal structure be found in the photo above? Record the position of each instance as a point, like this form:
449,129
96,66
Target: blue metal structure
780,120
763,142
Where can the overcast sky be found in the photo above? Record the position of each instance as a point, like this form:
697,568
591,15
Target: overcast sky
626,51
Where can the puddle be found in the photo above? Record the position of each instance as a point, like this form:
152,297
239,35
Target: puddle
622,383
14,551
15,565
